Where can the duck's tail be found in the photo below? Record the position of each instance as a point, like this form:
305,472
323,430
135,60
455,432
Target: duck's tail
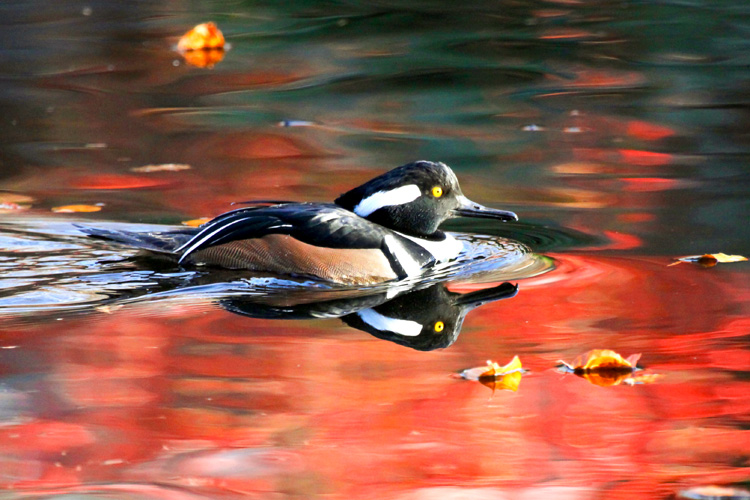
160,242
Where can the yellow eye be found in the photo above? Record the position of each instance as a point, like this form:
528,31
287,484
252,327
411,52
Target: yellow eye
439,326
437,191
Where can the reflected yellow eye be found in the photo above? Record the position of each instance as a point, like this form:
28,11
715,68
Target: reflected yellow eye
439,326
437,191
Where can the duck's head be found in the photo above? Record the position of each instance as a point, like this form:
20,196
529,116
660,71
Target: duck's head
415,199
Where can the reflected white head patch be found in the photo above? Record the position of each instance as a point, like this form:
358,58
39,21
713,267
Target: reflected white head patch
399,196
385,324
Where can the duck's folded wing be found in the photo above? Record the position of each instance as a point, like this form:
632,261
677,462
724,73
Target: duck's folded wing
319,225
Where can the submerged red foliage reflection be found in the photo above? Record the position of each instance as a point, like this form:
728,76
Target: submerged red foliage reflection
196,397
628,125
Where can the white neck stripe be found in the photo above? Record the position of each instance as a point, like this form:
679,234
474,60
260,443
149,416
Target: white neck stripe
385,324
399,196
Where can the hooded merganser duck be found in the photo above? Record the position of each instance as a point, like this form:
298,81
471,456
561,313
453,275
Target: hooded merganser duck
383,230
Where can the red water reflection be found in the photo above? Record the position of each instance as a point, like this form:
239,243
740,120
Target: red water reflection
202,400
566,113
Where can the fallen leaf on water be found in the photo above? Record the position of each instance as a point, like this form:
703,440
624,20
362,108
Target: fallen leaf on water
494,376
10,202
495,370
116,181
70,209
602,359
165,167
508,382
709,259
715,493
204,58
202,37
196,222
604,367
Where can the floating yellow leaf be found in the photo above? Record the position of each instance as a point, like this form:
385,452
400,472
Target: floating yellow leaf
494,376
495,370
604,367
165,167
196,222
70,209
202,37
710,259
508,382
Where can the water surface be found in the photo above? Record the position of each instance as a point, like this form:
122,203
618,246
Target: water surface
616,130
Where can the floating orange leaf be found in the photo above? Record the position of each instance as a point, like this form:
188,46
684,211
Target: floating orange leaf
709,259
495,377
204,58
202,37
196,222
602,359
114,181
604,367
165,167
71,209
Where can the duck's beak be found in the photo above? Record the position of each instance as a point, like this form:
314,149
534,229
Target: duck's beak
471,300
468,208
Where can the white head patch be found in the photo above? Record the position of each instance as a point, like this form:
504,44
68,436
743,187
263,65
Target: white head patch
398,196
385,324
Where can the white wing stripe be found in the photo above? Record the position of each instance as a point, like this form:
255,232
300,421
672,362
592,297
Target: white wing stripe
210,232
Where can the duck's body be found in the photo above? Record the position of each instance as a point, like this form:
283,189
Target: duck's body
383,230
313,239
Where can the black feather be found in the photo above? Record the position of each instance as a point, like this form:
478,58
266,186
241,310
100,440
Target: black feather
160,242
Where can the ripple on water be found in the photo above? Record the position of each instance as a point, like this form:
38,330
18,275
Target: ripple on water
52,267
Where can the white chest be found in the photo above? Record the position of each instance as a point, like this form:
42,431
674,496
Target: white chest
443,251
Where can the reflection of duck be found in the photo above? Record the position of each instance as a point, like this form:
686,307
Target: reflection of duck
423,319
384,229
